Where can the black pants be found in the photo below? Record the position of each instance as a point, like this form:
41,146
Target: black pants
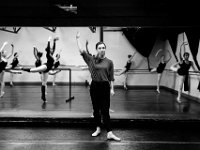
100,96
186,83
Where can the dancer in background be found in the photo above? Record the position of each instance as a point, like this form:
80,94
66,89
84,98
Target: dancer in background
102,73
161,67
3,65
126,69
46,67
38,62
182,68
14,64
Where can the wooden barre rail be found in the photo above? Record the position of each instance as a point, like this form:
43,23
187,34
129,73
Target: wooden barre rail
83,67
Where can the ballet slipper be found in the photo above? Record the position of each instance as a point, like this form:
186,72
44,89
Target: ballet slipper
111,136
125,88
158,91
92,116
112,111
2,94
97,132
11,84
178,100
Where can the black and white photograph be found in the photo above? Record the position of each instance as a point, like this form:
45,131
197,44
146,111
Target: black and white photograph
97,74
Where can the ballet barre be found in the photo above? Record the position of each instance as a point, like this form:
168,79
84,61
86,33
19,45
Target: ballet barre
59,68
70,82
197,73
146,71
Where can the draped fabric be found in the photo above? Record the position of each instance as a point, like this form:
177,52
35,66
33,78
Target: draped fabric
171,34
193,35
198,86
143,39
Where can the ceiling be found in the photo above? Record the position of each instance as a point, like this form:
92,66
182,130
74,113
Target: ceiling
145,13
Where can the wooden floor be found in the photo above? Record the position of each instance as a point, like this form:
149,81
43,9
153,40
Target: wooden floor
25,101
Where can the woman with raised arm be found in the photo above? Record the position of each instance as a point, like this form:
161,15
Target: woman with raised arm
126,69
46,67
3,64
182,68
102,74
161,67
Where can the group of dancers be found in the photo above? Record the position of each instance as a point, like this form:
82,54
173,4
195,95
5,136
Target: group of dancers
182,68
45,69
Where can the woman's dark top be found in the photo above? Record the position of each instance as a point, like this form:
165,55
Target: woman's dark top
3,65
14,63
184,68
161,67
56,64
49,56
38,63
101,69
128,66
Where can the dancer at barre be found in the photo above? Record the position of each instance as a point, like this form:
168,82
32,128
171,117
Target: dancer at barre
161,67
126,69
3,65
102,74
46,67
14,64
182,68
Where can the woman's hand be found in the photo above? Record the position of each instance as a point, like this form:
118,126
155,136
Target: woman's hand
78,35
5,43
49,39
112,92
